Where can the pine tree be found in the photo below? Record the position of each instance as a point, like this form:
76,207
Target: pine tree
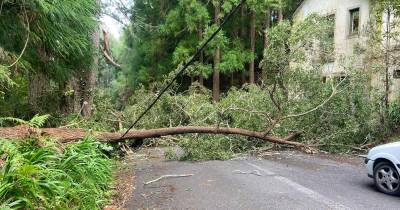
57,37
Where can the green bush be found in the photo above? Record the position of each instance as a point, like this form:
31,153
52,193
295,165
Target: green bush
103,117
393,114
213,147
34,176
348,119
206,148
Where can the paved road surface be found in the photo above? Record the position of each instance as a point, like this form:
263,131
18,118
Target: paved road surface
288,180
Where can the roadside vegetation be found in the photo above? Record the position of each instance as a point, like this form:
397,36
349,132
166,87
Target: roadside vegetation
262,73
41,174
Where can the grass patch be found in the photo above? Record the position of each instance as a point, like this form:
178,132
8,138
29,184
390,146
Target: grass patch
35,174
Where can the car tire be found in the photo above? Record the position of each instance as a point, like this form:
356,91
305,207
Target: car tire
387,178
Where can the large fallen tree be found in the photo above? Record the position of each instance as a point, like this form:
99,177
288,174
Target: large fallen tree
66,135
69,135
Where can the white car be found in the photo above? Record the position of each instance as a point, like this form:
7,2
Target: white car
383,165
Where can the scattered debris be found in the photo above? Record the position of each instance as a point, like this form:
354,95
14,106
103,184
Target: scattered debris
167,176
255,172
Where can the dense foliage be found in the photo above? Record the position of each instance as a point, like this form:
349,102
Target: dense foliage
163,34
36,174
42,44
269,70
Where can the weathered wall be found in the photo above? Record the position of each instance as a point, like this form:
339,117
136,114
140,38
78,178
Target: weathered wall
344,41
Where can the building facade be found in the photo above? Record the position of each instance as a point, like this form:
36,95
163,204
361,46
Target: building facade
352,17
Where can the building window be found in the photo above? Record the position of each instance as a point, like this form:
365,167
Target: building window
354,21
274,17
396,74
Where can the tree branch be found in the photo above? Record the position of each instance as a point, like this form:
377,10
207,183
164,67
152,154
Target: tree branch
64,135
107,50
334,92
26,42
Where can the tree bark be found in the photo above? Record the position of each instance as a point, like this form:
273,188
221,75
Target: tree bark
91,77
217,60
201,58
72,99
387,60
65,135
243,36
107,50
38,84
280,15
267,24
252,46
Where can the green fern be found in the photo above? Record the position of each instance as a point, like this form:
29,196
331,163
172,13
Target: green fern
36,176
37,121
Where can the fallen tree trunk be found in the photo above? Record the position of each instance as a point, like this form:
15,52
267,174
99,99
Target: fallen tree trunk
66,135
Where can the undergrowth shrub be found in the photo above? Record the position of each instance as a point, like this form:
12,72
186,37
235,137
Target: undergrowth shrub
214,147
347,120
157,116
35,174
104,117
206,147
393,114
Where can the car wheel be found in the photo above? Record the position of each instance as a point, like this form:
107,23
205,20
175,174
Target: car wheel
387,178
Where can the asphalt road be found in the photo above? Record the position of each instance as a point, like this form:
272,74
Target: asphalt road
288,180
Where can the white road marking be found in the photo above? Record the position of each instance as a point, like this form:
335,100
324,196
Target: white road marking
302,189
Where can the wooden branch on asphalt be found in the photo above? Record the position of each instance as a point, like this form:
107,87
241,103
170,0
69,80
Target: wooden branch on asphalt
254,172
167,176
66,135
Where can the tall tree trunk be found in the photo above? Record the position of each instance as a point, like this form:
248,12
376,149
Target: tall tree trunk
91,77
217,60
201,58
267,24
243,35
387,60
252,46
38,84
72,100
280,14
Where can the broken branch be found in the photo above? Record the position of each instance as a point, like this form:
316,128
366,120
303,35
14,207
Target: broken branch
167,176
255,172
107,50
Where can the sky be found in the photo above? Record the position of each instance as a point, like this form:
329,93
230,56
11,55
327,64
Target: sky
110,24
